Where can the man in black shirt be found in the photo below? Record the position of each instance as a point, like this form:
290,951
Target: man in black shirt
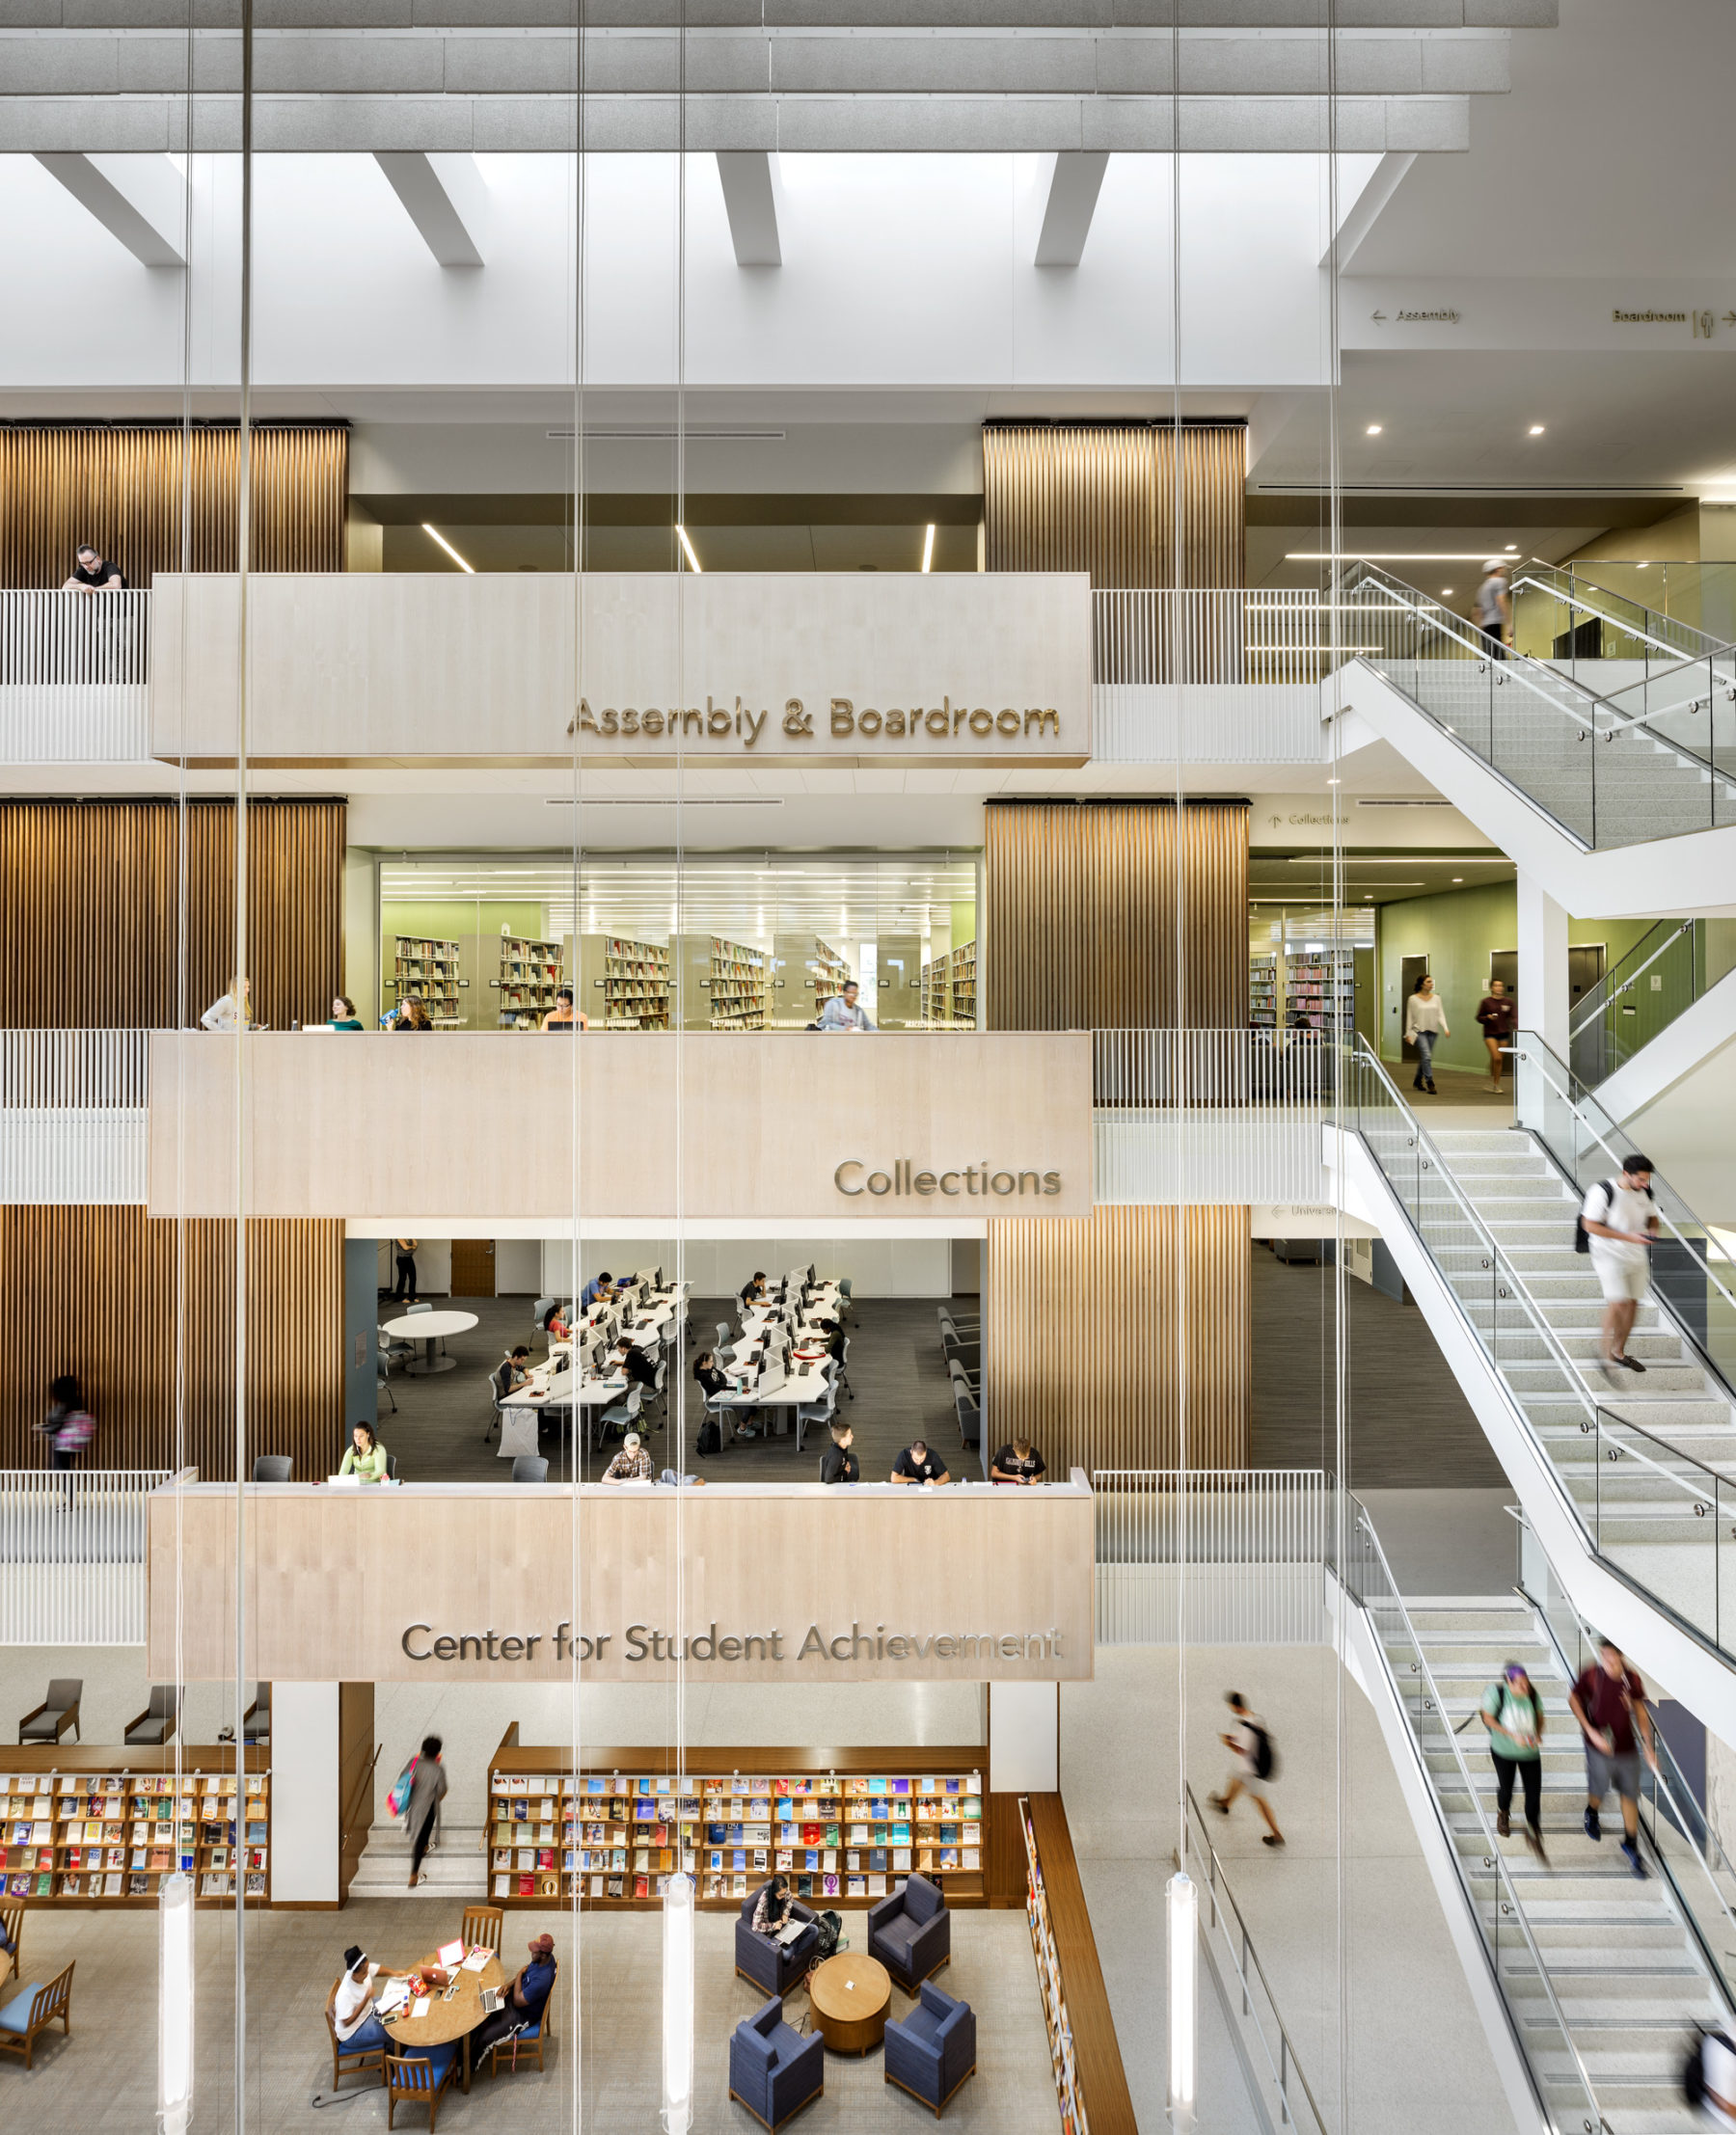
917,1465
512,1373
840,1465
633,1362
1017,1462
754,1290
91,574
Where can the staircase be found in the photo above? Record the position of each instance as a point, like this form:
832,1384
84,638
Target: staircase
1628,1975
455,1871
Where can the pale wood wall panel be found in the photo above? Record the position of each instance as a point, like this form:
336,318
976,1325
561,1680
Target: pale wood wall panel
122,489
1098,1341
1080,927
97,1292
90,910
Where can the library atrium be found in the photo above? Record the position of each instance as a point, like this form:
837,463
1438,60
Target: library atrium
1145,1550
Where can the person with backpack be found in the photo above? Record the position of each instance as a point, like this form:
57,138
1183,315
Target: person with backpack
1256,1765
69,1427
1617,1221
1609,1702
428,1790
1513,1711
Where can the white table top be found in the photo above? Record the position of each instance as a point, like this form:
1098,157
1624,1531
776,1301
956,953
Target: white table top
797,1391
562,1393
430,1326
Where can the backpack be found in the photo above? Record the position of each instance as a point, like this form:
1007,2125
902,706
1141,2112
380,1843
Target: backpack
397,1799
830,1927
710,1440
1265,1757
1582,1237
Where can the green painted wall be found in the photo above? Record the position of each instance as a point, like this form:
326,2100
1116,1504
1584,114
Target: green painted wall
1458,930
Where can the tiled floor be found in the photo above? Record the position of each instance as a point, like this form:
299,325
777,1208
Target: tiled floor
603,2073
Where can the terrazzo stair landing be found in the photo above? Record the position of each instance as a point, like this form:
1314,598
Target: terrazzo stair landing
457,1868
1654,1521
1619,1955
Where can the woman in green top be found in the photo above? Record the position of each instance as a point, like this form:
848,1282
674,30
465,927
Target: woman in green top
1513,1711
366,1460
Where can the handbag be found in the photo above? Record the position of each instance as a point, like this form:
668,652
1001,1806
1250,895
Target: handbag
397,1796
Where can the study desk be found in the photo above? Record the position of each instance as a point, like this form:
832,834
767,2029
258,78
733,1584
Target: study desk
428,1328
447,2020
800,1391
563,1391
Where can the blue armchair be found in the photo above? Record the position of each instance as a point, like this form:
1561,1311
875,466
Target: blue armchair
774,1966
930,2052
911,1932
774,2071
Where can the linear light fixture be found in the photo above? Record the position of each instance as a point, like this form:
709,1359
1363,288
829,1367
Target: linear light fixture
669,435
693,559
174,2004
1386,556
928,547
678,2006
668,801
1184,1905
433,536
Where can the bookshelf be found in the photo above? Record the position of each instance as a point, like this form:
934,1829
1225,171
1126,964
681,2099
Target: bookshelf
1321,984
633,978
1063,2059
613,1836
429,968
738,986
1263,992
530,973
107,1833
937,991
963,968
828,972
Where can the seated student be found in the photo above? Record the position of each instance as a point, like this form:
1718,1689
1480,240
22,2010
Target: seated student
561,1017
525,1999
712,1380
840,1465
513,1373
917,1465
354,2015
754,1290
1017,1462
365,1459
601,1286
631,1363
774,1912
343,1014
632,1463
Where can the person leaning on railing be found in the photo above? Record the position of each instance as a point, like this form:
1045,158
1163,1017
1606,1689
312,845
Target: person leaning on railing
93,573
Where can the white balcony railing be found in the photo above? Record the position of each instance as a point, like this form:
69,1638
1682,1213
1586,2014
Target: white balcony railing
73,1556
73,674
72,1117
1208,675
1209,1116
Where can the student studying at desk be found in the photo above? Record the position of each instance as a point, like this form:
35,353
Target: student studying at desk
916,1465
632,1463
366,1458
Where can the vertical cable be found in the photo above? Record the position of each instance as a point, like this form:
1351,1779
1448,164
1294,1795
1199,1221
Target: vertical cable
679,1597
1177,647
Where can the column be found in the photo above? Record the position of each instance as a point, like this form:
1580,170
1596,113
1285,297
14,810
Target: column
1542,966
1024,1738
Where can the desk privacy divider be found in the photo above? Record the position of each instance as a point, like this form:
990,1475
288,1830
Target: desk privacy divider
449,1582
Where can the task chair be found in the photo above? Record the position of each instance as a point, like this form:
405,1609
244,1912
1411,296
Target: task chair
529,1468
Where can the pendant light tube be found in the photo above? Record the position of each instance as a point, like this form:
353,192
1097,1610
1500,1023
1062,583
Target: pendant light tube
1182,1904
174,2003
678,2006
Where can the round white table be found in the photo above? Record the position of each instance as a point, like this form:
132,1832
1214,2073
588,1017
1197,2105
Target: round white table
428,1328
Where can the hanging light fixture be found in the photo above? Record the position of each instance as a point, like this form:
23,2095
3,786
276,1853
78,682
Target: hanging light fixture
1183,1905
174,2004
678,2006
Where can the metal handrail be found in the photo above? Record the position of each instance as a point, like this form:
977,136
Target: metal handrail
1217,1884
1618,980
1711,646
1547,1061
358,1796
1492,1852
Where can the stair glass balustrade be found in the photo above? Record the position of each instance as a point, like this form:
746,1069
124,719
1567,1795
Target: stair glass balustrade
1633,1469
1665,972
1562,615
1560,2080
1655,760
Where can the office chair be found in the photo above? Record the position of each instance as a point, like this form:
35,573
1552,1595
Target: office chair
273,1468
816,1411
844,1369
529,1468
380,1378
623,1415
660,1391
722,1341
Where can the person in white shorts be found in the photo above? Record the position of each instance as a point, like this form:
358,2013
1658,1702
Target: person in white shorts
1251,1744
1620,1218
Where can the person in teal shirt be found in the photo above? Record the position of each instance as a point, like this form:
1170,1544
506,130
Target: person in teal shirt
1513,1711
343,1014
365,1459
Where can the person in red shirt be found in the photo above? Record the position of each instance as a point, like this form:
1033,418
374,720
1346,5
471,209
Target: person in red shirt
1609,1702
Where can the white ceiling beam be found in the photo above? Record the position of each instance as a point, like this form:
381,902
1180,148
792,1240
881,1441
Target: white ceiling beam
1075,177
1368,206
750,191
96,191
444,197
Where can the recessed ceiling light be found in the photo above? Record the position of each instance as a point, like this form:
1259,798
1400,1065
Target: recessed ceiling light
1458,877
1513,547
1639,567
1536,429
1373,430
1334,782
1446,589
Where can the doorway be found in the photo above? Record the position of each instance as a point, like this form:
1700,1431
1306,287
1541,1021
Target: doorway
1584,970
1410,970
472,1267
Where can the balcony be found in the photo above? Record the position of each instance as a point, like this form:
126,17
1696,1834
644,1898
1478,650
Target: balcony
75,675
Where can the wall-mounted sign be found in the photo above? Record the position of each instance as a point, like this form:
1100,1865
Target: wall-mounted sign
747,725
638,1645
902,1176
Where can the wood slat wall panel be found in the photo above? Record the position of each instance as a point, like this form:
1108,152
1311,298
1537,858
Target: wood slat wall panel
1109,1390
1103,499
95,1291
123,490
1079,931
90,904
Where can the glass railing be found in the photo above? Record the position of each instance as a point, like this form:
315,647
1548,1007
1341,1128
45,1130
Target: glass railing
1683,1838
1692,1275
1650,762
1665,972
1657,1526
1565,616
1558,2076
1697,597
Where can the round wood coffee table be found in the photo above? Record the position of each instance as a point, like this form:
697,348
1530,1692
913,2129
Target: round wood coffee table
850,1994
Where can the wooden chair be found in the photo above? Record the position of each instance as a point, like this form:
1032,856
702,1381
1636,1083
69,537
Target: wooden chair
57,1715
156,1723
419,2079
12,1920
484,1926
530,2043
347,2060
28,2015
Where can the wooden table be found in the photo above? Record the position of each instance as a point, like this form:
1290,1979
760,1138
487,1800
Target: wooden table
850,1994
448,2020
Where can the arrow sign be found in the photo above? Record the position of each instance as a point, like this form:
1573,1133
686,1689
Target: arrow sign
1380,315
1730,318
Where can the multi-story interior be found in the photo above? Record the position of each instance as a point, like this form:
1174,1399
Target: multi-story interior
1175,569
